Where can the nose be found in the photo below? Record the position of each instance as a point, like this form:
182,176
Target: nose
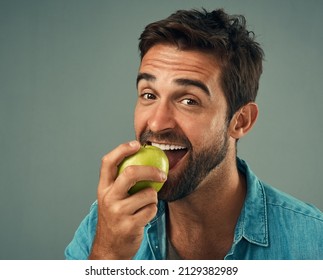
162,118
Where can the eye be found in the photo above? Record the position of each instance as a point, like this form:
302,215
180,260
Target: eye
148,96
189,102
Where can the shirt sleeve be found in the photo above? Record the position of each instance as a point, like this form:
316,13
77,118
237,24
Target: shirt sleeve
81,244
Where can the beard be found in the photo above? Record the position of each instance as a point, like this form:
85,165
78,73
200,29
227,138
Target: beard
198,165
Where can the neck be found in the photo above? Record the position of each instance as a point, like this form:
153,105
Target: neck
220,196
210,213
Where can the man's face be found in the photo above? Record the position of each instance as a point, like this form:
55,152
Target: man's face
182,109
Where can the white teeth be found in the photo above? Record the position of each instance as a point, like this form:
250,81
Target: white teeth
166,147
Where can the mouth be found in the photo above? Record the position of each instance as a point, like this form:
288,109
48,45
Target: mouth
173,152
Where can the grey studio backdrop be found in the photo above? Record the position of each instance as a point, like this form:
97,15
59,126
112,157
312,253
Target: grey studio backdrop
67,94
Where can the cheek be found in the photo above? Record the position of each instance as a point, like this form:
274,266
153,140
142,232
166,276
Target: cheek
206,133
196,132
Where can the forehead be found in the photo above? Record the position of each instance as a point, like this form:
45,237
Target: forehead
169,59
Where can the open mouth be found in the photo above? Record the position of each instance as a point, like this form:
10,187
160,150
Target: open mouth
173,152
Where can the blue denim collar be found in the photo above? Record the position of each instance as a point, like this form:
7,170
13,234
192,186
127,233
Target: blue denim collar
252,224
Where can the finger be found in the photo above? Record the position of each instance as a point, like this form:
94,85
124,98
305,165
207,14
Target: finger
135,202
145,214
110,162
133,174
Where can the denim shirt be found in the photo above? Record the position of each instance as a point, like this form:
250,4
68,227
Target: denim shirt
272,225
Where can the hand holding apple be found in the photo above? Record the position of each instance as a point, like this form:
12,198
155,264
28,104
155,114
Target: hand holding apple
122,217
149,156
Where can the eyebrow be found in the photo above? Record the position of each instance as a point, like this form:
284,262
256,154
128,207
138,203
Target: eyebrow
181,82
145,76
194,83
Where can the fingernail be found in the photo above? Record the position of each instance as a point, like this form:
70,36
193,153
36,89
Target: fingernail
134,143
163,176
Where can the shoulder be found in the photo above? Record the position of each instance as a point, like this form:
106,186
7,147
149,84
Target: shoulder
262,194
281,202
295,228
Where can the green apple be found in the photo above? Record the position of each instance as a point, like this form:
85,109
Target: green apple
146,155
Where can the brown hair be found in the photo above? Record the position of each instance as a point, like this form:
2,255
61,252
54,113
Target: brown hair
226,37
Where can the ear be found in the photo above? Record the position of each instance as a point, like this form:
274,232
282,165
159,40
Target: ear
243,120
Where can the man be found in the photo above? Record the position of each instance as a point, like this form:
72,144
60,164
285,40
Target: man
197,84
